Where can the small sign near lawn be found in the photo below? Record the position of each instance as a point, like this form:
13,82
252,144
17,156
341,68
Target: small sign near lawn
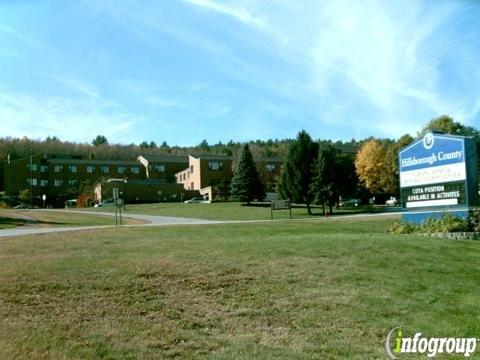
280,205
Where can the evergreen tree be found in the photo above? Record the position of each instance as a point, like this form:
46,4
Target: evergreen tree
297,171
246,184
100,140
324,180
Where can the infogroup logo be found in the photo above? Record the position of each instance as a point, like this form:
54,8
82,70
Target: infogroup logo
396,344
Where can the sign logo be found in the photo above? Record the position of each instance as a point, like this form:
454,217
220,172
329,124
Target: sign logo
428,141
396,344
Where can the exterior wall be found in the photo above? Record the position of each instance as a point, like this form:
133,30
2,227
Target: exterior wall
163,169
20,176
145,191
200,172
269,172
209,176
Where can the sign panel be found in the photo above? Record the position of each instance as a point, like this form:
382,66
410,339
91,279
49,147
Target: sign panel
438,172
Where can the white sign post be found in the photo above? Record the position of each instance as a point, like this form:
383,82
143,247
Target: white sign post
44,197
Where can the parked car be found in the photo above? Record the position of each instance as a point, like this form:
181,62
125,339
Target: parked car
21,206
196,200
393,201
105,203
349,202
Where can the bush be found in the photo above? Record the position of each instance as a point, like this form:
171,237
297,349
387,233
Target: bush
447,223
474,220
3,205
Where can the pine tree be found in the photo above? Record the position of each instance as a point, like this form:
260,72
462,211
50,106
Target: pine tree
297,172
246,184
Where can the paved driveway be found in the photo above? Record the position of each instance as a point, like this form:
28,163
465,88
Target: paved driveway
150,220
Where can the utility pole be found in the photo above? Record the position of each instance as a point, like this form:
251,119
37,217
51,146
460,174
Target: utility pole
31,178
9,180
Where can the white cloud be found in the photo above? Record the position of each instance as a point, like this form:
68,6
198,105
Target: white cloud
237,13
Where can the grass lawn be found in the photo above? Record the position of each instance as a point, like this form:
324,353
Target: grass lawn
9,222
53,218
324,289
227,211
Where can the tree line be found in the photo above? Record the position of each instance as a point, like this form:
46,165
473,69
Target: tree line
316,172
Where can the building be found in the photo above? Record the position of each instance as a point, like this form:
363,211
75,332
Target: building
211,174
163,167
269,169
61,178
150,178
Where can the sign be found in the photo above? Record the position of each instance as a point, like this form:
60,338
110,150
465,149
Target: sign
438,172
280,205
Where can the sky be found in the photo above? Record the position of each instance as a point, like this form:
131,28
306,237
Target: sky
187,70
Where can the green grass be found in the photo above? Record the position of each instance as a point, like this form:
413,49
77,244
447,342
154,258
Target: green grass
323,289
56,219
227,211
9,222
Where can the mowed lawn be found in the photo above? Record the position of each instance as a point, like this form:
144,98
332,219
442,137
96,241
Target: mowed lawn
324,289
11,218
230,211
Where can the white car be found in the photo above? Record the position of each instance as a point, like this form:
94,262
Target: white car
393,201
197,200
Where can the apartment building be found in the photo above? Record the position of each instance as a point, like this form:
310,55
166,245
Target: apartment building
163,167
205,172
60,178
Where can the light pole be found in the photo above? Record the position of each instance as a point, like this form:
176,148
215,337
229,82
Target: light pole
124,194
31,178
9,180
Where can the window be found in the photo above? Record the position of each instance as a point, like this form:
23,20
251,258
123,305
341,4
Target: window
270,167
34,167
72,168
184,176
160,168
90,169
43,168
58,183
32,182
191,186
135,170
121,169
104,169
58,168
191,169
43,183
72,182
215,165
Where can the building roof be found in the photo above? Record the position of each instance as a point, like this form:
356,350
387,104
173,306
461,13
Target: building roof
166,158
212,157
271,159
94,162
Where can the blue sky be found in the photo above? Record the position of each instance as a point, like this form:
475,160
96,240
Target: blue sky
183,71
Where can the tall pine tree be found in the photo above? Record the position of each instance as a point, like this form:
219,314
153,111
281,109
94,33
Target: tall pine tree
297,171
246,184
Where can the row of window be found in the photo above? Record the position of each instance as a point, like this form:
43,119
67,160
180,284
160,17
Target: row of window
56,182
90,169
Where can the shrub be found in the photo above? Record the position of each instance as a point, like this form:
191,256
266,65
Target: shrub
447,223
3,205
474,220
